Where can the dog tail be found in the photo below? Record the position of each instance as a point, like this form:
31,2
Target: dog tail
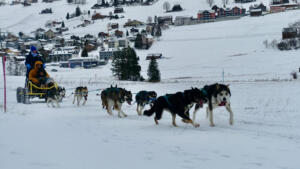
150,112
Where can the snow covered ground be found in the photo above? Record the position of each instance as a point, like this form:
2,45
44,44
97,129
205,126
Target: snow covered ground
264,101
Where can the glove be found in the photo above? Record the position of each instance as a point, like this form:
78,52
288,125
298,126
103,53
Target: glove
28,66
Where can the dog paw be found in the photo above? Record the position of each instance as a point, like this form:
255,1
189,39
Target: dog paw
196,125
231,123
212,125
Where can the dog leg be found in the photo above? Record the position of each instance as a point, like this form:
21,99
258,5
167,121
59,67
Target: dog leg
194,114
78,100
74,98
211,118
125,115
155,120
47,102
84,102
138,110
174,120
228,108
141,109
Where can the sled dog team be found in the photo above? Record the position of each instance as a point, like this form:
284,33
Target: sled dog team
180,103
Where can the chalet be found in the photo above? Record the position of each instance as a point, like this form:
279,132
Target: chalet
96,6
59,55
112,26
182,20
255,12
288,33
118,33
134,30
46,11
260,6
118,10
162,20
221,12
276,8
123,43
90,47
176,8
236,11
207,14
26,4
112,43
215,8
50,34
86,22
154,56
106,54
98,16
103,35
277,2
133,23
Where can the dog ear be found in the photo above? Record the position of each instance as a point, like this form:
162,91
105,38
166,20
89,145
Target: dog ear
217,87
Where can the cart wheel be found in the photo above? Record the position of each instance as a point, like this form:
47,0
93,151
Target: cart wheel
25,97
20,95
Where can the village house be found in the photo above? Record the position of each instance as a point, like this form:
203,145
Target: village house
111,26
183,20
98,16
276,8
50,34
260,6
46,11
118,10
59,55
255,12
118,33
133,23
107,54
206,14
168,20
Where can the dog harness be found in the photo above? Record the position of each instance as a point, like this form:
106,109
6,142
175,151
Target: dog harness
166,98
204,91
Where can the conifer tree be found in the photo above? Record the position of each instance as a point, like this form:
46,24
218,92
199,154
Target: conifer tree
138,43
125,65
153,71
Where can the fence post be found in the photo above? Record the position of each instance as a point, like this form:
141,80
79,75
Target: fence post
4,81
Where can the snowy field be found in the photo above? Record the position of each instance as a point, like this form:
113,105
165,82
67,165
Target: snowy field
264,101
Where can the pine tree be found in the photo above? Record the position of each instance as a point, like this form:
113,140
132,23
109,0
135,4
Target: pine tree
125,65
68,16
78,11
138,43
127,33
153,71
84,53
63,24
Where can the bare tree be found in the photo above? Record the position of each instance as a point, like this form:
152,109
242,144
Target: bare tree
166,6
210,2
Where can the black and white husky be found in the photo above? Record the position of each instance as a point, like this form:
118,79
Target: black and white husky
79,94
218,95
177,104
143,98
55,95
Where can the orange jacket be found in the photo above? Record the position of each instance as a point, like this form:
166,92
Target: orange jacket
33,74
